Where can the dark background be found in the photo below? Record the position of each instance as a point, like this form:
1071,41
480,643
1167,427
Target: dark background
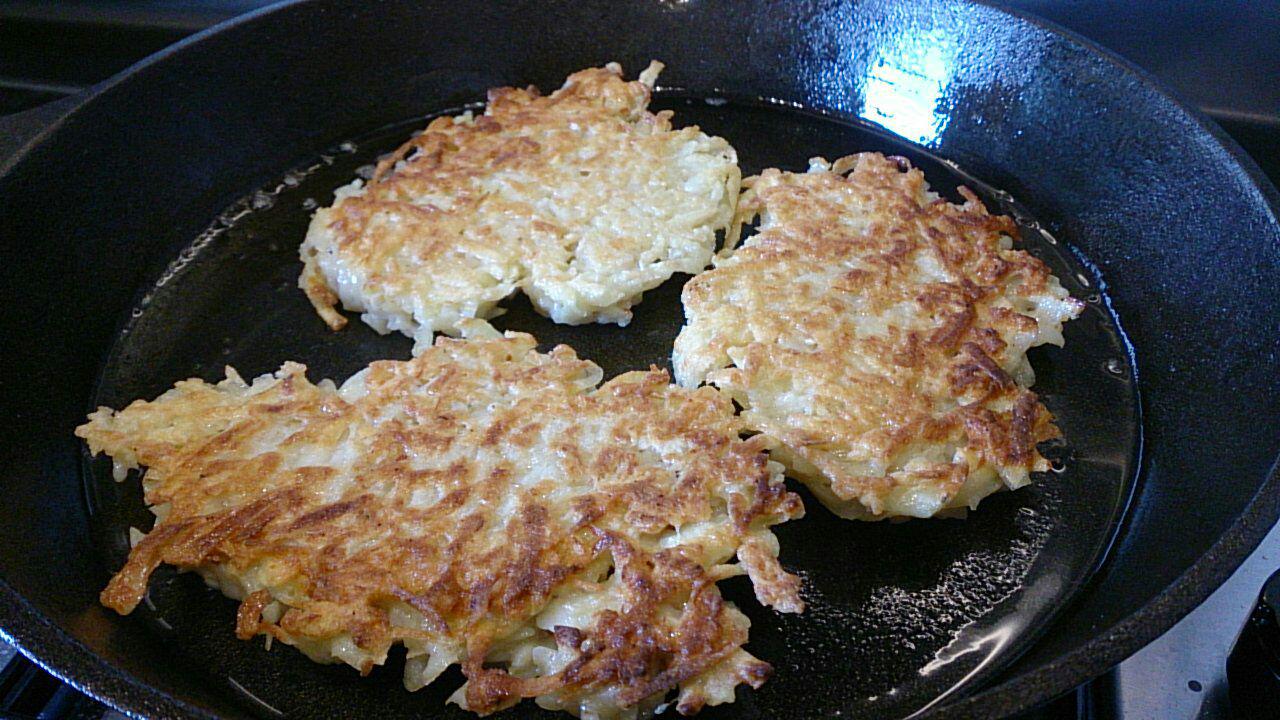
1222,56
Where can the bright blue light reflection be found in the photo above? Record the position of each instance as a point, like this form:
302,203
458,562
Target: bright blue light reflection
905,85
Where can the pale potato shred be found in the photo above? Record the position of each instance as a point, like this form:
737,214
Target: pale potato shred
484,505
878,334
582,199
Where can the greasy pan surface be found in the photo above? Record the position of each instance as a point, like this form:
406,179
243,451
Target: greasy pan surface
899,614
97,209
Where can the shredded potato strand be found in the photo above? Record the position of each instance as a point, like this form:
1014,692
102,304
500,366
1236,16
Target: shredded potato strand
483,504
878,335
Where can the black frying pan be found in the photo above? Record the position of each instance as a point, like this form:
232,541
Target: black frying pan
149,234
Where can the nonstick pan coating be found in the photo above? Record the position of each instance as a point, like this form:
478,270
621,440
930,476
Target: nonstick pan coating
98,206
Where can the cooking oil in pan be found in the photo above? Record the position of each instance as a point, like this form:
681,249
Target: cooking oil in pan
899,615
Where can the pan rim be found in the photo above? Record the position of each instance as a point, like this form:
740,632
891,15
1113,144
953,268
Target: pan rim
72,662
1232,547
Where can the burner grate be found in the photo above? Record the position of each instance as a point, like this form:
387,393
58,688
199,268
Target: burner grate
29,693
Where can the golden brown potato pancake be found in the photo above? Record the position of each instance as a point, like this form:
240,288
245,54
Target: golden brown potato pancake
483,504
582,199
878,334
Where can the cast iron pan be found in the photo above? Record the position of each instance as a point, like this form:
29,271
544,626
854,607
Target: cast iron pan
155,225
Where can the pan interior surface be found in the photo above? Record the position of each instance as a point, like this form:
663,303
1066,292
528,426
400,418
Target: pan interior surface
901,616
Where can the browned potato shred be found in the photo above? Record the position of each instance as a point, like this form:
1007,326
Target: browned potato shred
878,335
483,504
582,199
490,506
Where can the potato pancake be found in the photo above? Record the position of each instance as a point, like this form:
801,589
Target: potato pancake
483,504
878,334
582,199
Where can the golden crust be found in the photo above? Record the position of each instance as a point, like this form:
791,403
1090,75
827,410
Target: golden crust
582,199
484,504
878,334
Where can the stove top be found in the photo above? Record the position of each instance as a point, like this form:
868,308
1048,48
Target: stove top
1223,57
